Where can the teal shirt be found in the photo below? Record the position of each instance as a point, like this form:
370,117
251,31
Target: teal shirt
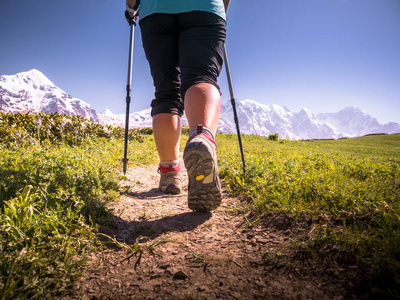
148,7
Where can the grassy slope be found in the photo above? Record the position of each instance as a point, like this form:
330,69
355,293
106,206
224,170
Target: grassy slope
57,176
346,191
57,173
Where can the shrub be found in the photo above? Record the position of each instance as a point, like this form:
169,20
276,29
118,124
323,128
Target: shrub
273,137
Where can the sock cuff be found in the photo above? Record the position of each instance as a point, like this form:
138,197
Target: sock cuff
167,163
200,129
165,168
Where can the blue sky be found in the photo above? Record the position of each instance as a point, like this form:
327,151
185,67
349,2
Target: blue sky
320,54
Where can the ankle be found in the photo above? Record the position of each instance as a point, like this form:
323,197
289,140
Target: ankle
168,166
200,129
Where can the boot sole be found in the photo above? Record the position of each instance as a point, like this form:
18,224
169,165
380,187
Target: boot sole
171,189
204,191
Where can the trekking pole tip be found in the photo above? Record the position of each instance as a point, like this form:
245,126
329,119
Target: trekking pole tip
125,161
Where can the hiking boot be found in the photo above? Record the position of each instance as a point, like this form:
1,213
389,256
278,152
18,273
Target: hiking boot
204,190
170,179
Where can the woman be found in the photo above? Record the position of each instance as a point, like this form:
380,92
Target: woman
183,41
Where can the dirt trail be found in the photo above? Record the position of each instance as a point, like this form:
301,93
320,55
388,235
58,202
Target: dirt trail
195,255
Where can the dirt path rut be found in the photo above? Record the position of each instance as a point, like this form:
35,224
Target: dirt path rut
187,255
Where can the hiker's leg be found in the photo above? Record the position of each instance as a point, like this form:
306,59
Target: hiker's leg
201,47
203,106
167,133
160,43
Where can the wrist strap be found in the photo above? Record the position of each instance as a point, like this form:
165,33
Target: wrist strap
130,9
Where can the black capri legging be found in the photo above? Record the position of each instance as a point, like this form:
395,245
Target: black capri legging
182,50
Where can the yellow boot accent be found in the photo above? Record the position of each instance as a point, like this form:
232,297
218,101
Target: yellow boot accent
200,177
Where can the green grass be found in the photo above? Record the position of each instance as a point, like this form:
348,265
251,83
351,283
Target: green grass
347,192
53,196
57,176
382,147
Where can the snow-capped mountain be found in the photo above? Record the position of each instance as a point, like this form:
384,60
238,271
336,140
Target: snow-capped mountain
32,91
355,122
139,119
260,119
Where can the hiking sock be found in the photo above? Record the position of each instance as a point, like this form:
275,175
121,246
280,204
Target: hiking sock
170,165
200,129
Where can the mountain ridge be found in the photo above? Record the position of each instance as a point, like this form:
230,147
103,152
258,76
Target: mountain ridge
33,91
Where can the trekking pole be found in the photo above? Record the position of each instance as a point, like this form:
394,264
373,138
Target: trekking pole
132,24
228,75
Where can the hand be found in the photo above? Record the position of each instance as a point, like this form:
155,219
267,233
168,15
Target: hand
131,17
132,11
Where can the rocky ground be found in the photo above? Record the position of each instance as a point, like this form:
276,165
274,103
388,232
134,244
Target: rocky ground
174,253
